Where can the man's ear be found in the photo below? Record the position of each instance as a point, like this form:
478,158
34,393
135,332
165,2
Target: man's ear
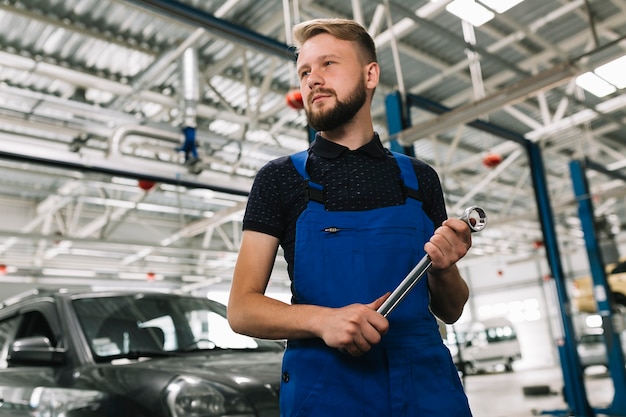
373,74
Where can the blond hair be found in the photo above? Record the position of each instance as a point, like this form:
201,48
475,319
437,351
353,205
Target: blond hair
344,29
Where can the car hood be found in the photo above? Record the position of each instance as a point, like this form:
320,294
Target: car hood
256,375
236,369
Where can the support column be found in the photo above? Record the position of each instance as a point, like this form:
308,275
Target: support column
575,392
601,289
397,121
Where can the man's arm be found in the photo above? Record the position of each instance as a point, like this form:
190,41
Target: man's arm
448,291
249,310
353,328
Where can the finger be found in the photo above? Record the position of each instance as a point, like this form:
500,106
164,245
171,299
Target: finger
379,301
460,229
458,225
445,248
356,352
360,347
437,246
379,323
449,240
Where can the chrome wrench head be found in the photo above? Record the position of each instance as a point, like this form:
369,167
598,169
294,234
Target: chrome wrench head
475,217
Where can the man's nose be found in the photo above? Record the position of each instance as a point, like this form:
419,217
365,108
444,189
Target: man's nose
314,79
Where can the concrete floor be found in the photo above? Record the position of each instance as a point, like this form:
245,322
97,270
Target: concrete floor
502,394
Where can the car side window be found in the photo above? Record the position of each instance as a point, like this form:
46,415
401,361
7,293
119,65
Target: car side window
35,324
7,329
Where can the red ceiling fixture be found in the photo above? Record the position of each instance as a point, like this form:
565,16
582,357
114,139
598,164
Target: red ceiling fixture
145,185
492,160
294,99
3,269
150,276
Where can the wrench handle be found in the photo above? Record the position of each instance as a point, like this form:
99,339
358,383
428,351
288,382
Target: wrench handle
476,219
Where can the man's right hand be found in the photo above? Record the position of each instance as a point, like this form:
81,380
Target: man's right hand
355,328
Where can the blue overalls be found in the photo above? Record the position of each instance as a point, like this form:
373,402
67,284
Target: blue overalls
350,257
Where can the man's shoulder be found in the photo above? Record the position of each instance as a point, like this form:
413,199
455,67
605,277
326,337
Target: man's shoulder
422,168
277,165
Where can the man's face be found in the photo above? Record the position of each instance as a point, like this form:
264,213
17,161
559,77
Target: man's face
331,80
326,119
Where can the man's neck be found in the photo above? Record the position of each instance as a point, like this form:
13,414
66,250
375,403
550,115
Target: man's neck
352,135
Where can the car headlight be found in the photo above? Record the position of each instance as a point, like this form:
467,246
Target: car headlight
55,402
188,396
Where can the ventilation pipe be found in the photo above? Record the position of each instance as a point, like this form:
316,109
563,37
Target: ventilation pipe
122,132
191,96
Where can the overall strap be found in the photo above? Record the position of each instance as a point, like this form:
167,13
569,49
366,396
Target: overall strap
316,191
408,174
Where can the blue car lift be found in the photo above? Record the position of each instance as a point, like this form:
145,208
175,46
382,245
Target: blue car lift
601,287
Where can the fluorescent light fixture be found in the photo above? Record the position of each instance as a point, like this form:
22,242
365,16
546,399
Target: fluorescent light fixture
124,181
108,202
470,11
140,276
68,272
595,85
593,320
614,72
193,278
136,256
500,6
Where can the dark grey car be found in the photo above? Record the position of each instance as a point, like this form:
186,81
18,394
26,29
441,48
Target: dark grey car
591,350
131,355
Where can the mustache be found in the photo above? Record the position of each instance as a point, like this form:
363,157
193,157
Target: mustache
328,91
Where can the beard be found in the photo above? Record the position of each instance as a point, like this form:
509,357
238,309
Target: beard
342,113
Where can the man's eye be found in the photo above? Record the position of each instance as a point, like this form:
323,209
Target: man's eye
304,74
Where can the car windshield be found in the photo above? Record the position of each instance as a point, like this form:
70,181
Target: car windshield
589,339
132,326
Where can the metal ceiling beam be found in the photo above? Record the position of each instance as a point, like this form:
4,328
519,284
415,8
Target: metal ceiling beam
442,110
536,61
480,186
453,38
547,79
219,27
35,14
582,117
123,166
82,79
603,169
124,246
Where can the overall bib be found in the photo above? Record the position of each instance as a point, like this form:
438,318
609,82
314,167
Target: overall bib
350,257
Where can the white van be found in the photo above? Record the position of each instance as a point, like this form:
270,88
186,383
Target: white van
486,345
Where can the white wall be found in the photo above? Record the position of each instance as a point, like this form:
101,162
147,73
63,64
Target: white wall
526,307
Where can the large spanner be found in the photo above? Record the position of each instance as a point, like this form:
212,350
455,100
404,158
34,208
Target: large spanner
476,219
